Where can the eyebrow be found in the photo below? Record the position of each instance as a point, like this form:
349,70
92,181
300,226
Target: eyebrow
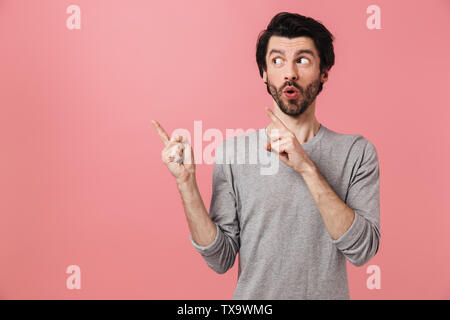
298,52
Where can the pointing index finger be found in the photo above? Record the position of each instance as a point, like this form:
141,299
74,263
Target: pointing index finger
162,134
274,118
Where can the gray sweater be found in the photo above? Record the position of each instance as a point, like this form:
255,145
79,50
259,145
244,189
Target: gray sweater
270,218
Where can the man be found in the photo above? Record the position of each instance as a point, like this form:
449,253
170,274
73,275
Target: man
294,229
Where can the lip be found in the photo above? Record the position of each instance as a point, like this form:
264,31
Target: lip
290,95
290,88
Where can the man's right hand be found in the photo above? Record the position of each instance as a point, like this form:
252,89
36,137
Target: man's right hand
177,155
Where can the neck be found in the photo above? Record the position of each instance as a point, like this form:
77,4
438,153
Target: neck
304,126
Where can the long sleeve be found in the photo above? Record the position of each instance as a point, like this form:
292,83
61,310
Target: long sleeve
361,241
221,253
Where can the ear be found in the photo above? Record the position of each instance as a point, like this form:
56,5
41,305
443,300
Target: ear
324,76
265,76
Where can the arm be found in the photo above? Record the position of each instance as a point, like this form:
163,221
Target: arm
202,228
354,224
221,253
177,155
214,236
337,216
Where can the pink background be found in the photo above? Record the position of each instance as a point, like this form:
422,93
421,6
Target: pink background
82,180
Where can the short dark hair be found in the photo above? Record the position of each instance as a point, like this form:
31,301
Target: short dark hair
292,25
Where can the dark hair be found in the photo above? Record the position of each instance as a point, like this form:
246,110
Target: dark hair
292,25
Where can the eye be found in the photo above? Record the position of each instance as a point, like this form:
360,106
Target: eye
305,60
277,59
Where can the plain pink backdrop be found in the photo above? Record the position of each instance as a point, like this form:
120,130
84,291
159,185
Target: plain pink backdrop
82,180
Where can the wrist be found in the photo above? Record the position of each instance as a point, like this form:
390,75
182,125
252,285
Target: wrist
186,182
307,168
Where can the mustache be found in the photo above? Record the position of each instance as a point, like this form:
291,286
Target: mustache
292,84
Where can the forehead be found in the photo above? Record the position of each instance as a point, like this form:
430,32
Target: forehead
290,46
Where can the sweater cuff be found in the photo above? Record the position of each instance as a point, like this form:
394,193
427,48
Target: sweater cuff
351,236
206,250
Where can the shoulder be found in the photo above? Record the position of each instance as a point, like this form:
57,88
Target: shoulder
239,135
357,145
238,143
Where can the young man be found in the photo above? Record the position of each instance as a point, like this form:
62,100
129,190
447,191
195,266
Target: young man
294,229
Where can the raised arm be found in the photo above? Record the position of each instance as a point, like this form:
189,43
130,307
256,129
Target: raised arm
177,155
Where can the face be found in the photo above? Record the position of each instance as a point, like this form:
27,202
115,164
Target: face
294,65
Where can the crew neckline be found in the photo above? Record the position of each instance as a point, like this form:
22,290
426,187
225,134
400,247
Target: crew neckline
308,143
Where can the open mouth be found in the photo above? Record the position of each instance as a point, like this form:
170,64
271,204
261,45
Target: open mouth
290,92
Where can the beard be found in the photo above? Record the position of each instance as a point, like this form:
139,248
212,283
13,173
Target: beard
297,106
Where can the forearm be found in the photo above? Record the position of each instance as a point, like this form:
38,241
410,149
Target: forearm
202,228
337,216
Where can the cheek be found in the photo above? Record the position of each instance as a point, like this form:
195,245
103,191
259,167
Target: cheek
273,90
307,78
274,74
311,74
275,80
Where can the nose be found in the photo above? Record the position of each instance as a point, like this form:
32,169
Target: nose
291,71
291,74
